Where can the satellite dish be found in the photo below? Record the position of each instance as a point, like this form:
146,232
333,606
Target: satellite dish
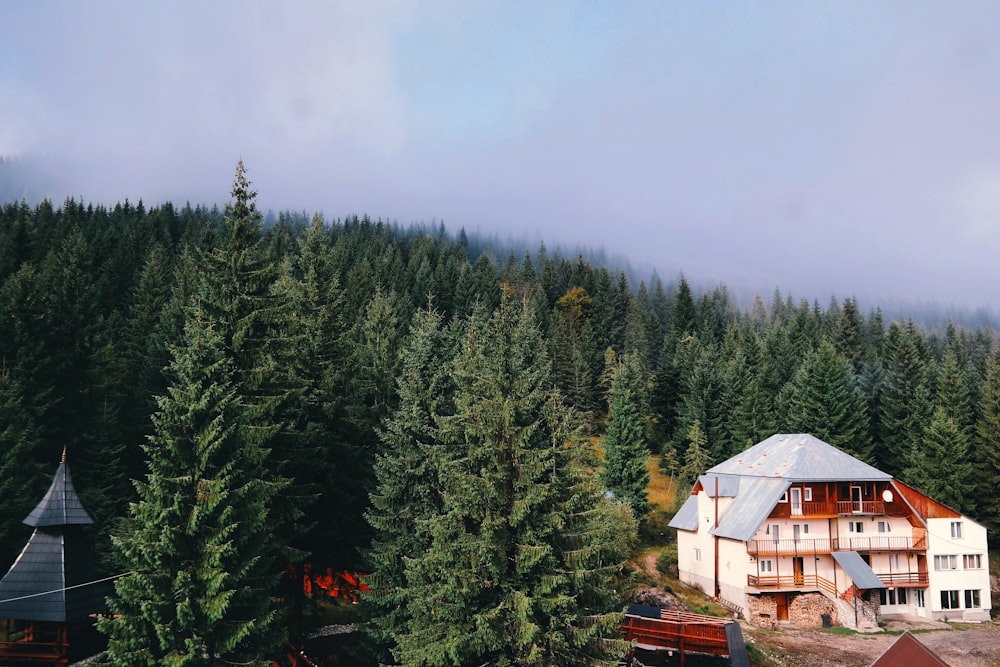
887,496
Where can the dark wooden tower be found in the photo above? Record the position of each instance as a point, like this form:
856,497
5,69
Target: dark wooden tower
53,589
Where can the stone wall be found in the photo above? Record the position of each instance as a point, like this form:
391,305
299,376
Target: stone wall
761,610
806,610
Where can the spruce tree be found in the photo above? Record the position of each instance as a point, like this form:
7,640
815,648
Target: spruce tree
624,471
196,544
823,399
987,445
407,483
940,464
906,401
519,569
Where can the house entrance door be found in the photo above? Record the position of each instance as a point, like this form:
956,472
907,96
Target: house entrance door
856,499
781,600
797,567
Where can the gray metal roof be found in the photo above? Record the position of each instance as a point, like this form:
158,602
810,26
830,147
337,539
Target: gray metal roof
799,457
858,570
756,498
60,506
728,486
687,516
51,579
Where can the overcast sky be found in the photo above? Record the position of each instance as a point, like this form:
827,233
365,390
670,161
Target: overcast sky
826,148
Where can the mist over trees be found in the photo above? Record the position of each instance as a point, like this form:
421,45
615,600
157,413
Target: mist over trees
408,402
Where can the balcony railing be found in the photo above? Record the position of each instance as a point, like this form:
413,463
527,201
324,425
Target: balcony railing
804,582
810,547
860,507
904,578
795,582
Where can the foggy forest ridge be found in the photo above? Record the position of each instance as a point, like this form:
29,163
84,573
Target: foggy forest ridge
27,179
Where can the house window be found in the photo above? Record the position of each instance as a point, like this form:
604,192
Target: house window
808,494
972,561
856,526
697,555
894,561
892,596
767,566
920,598
884,527
949,600
956,530
783,498
946,562
774,530
972,599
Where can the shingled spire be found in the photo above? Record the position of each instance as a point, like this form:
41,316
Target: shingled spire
60,506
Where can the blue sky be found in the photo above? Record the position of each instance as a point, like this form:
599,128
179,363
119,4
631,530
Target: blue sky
826,148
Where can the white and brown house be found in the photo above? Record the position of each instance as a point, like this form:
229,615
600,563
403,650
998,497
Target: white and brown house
794,529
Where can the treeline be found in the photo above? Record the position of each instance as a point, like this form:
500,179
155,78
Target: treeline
345,355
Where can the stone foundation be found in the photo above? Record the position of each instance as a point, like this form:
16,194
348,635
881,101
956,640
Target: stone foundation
761,610
806,610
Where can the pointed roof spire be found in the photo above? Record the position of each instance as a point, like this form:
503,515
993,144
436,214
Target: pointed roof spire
60,506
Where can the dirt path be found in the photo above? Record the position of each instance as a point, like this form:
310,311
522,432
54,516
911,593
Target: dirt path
960,645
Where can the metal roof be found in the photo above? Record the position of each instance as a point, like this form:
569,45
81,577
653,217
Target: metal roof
858,570
687,516
757,497
60,506
728,486
50,580
799,457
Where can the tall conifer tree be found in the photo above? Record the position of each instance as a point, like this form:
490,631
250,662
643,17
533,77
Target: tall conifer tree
197,542
521,560
625,452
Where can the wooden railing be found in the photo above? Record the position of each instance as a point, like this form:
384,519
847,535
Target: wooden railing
904,578
800,582
860,507
825,546
678,630
813,508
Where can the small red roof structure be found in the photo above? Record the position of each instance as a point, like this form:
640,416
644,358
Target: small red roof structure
907,650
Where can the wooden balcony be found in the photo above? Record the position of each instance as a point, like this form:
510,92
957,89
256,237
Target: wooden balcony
860,507
813,547
799,582
904,579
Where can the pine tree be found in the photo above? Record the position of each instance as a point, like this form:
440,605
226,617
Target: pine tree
519,568
624,471
22,479
407,483
906,403
196,544
940,465
987,445
697,458
823,399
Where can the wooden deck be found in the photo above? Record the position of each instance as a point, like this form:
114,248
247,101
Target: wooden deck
685,633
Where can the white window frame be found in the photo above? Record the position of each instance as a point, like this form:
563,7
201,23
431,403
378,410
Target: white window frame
857,527
767,565
973,600
884,527
956,530
697,555
950,599
784,497
807,494
972,561
946,562
921,600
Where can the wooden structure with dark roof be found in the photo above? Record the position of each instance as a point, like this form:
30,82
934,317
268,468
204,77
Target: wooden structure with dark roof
53,587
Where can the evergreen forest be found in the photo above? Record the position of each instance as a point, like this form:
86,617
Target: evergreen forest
470,425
